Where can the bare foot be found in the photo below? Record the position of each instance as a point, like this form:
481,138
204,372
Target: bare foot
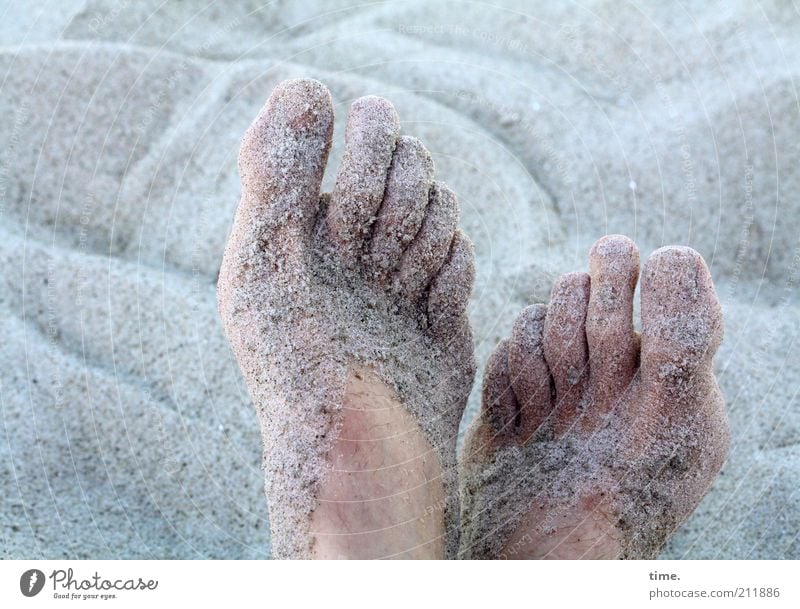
588,446
346,315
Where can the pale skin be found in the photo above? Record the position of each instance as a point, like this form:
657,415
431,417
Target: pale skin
383,496
382,491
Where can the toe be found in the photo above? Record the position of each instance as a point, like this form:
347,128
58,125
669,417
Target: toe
281,162
500,409
565,348
681,319
404,202
372,131
451,288
428,251
528,370
613,344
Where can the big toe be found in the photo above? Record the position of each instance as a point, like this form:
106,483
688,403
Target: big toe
681,319
281,162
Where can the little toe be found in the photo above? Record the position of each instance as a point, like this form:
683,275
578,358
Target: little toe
681,320
451,288
425,256
613,343
372,130
404,202
499,407
530,376
281,162
565,348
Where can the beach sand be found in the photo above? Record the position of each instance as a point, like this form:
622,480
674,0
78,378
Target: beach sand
127,428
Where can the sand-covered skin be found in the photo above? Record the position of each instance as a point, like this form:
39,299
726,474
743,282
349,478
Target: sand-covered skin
309,303
555,124
593,442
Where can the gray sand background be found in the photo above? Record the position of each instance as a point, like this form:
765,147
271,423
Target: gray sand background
126,428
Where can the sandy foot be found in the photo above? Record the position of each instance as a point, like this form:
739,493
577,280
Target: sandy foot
594,442
346,315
